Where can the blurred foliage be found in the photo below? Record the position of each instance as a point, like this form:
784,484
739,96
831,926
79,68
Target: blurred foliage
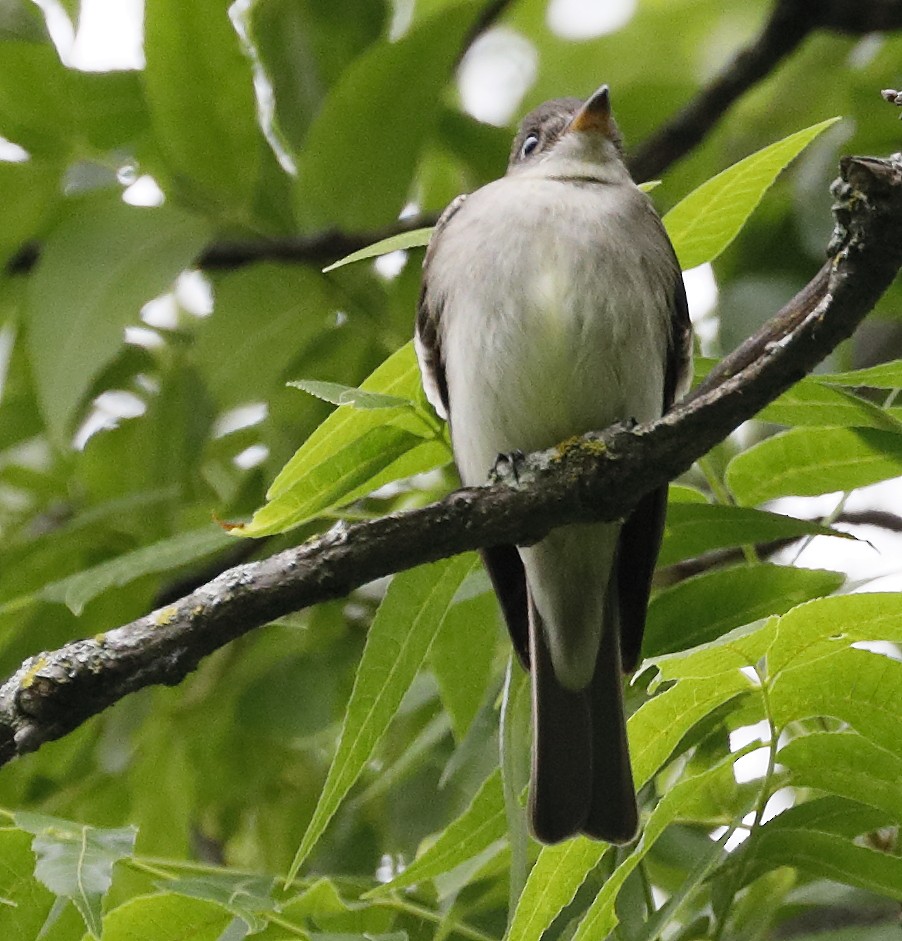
139,397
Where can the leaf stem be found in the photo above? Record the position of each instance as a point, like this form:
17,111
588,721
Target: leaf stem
764,796
646,889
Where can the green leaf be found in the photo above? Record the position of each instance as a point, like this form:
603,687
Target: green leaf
24,902
692,612
246,895
354,451
378,457
847,764
812,670
814,403
855,686
339,394
160,450
836,816
19,415
399,375
109,108
319,901
601,917
680,493
704,223
418,754
416,238
304,48
657,727
55,111
363,146
810,461
167,917
201,95
884,376
514,738
462,656
553,882
323,905
77,590
827,815
754,912
692,529
480,825
827,856
821,628
21,20
36,99
292,307
76,861
738,649
96,270
398,641
28,192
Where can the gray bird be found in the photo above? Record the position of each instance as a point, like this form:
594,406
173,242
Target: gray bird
552,304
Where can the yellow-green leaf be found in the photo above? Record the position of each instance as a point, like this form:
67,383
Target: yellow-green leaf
704,223
806,462
480,825
416,238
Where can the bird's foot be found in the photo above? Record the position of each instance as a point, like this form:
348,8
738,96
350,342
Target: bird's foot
507,466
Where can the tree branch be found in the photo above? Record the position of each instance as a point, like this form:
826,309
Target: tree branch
719,558
493,11
789,24
319,248
598,477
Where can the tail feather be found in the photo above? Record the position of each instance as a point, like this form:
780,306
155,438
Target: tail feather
559,794
581,777
613,815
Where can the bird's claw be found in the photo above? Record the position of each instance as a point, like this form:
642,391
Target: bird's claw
508,465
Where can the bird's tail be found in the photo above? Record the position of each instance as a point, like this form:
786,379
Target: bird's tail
581,776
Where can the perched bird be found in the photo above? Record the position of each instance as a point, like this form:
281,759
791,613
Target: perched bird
552,304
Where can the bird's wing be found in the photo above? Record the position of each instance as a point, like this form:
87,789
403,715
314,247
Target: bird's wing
640,537
428,334
502,562
679,358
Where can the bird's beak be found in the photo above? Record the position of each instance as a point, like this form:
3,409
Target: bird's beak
595,114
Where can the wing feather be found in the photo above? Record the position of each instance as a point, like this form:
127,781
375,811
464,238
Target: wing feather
427,338
640,537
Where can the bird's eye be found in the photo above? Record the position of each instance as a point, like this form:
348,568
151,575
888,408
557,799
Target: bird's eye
529,145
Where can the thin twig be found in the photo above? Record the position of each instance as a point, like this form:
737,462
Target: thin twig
790,23
493,11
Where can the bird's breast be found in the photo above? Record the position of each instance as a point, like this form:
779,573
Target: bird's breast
554,331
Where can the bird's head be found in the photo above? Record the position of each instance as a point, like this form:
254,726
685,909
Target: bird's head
566,134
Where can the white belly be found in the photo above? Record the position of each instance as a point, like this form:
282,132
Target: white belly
558,336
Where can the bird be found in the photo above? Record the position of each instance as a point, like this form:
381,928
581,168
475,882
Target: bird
552,304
